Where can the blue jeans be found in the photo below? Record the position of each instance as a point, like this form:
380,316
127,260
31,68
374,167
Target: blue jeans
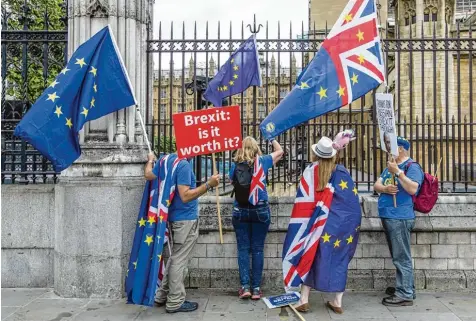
251,226
399,240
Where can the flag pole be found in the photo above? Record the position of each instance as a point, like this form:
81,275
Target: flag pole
394,182
143,129
218,199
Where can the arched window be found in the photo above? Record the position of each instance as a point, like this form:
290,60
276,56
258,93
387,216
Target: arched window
430,14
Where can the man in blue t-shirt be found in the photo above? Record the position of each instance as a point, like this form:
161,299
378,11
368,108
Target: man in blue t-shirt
183,218
399,220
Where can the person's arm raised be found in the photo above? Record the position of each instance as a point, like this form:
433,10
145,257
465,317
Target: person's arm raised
277,153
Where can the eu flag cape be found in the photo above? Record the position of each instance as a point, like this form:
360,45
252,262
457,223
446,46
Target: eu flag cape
348,65
145,269
323,232
94,83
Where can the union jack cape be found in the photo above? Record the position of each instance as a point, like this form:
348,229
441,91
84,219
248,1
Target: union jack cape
348,65
257,186
308,218
146,265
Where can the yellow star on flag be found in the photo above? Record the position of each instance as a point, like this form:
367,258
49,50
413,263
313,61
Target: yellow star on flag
85,112
92,102
65,70
54,83
95,88
141,222
343,184
337,243
149,239
235,68
350,239
167,202
232,60
231,82
80,62
151,220
326,237
354,79
355,190
341,91
93,71
159,257
135,264
58,111
322,93
161,218
69,123
303,85
235,76
360,35
225,87
348,17
52,97
361,59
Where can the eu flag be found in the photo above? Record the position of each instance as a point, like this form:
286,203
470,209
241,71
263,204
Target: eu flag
348,65
94,83
239,73
146,263
323,232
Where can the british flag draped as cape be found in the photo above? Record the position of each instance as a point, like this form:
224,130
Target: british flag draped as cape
323,232
257,186
348,65
146,265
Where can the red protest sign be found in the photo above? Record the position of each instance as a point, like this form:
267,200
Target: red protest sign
207,131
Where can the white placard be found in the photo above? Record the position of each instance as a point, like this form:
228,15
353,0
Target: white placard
386,123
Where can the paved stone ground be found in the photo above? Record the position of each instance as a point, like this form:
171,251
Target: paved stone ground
44,305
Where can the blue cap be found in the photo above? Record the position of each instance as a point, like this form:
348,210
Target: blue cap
403,142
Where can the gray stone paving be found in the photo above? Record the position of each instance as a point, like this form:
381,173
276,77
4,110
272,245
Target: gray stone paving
44,305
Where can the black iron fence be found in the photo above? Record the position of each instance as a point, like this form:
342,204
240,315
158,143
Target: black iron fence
34,50
429,71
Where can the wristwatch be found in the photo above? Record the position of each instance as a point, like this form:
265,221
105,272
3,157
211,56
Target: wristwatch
397,174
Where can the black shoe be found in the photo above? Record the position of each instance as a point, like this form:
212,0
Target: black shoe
395,301
186,306
160,303
391,291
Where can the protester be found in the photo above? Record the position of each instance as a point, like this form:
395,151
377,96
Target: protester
183,218
334,222
399,220
251,214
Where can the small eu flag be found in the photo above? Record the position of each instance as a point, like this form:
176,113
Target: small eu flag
94,83
239,73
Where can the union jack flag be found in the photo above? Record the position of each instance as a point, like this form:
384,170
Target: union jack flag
348,65
257,186
305,228
146,265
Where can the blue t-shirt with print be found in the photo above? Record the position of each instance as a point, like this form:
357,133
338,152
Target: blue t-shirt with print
267,163
178,210
404,209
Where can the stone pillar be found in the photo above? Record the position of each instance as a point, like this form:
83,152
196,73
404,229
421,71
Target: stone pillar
98,197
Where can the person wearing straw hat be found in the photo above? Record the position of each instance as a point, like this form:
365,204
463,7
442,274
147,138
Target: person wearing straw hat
398,219
183,218
324,226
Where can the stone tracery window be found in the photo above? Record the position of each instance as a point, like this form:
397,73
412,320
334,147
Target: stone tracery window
430,13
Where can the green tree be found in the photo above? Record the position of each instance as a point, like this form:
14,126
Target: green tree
164,144
32,65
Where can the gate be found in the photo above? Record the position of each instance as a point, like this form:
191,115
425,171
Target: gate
429,70
34,50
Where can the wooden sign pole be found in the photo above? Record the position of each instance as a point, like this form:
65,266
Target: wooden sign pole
218,199
394,182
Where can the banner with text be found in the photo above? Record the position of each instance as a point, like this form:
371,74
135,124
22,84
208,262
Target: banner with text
207,131
386,123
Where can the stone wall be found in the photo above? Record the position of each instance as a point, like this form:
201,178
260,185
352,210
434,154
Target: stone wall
443,244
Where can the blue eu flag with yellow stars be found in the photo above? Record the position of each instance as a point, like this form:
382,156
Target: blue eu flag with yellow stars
339,238
93,84
239,73
145,270
348,65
